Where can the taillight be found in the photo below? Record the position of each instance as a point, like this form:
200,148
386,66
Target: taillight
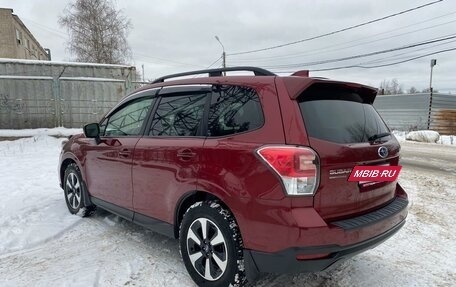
297,167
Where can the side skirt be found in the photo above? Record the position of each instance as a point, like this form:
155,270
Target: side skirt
120,211
151,223
154,224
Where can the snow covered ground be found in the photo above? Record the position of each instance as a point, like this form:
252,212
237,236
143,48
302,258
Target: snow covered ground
41,244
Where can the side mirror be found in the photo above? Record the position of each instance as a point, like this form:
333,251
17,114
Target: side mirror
93,131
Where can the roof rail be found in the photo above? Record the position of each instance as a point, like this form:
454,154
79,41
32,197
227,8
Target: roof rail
217,72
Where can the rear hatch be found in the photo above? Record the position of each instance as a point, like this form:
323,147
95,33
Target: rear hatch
341,125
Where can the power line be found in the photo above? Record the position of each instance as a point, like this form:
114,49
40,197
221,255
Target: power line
215,62
59,33
46,28
410,59
350,42
447,37
336,31
332,47
163,60
199,75
383,65
401,55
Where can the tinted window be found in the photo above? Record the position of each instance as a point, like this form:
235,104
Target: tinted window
179,115
129,119
339,116
233,110
103,126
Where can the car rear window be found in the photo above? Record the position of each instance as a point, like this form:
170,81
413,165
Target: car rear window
339,115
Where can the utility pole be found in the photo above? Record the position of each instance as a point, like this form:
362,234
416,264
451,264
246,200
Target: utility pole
433,63
223,53
142,66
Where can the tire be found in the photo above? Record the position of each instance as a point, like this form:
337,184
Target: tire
73,189
220,248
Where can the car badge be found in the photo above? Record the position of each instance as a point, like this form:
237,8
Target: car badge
382,152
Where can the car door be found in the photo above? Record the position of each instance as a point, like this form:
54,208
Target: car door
108,164
166,160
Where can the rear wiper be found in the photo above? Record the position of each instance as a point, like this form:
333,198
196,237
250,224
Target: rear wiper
378,136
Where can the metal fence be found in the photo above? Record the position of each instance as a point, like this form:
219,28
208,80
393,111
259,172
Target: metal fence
37,94
411,112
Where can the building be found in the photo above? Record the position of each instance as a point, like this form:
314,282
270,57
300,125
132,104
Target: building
16,41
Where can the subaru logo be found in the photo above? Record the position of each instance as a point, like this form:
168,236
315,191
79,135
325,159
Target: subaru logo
382,152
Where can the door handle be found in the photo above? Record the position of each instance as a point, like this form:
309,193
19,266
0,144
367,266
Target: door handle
186,154
124,153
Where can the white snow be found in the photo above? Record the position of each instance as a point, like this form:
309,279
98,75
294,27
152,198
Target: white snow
423,136
444,139
57,132
25,77
448,140
91,79
44,62
30,209
42,244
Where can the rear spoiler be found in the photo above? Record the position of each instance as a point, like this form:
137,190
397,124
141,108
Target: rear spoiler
296,85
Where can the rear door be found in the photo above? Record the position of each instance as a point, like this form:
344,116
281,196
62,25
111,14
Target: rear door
339,123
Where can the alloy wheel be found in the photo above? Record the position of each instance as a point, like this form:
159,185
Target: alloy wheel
73,190
206,247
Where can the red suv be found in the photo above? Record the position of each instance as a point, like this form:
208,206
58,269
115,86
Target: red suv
249,172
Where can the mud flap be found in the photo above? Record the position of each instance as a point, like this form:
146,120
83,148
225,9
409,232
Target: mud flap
251,270
85,196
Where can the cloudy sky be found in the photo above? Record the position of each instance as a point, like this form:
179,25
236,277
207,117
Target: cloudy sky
175,36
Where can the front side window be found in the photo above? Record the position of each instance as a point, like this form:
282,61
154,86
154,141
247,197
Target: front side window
234,109
103,125
129,120
179,115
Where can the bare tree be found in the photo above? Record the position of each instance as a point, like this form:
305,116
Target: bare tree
428,90
98,32
413,90
390,87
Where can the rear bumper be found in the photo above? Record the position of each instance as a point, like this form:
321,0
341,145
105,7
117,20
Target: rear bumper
337,241
285,261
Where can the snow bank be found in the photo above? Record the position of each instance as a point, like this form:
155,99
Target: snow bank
444,139
423,136
56,132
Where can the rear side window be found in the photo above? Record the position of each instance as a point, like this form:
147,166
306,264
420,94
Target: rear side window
339,115
234,109
179,115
